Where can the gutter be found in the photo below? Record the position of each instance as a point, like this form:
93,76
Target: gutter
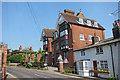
112,60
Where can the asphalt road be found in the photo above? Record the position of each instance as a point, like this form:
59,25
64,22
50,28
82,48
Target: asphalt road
29,74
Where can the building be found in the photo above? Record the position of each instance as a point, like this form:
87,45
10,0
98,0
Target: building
46,37
101,58
73,32
29,51
3,58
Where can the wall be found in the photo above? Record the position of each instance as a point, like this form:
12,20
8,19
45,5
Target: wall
77,30
119,60
91,54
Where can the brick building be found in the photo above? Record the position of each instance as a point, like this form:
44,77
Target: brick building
73,32
29,52
3,58
46,37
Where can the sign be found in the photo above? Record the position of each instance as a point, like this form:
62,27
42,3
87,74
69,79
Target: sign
65,60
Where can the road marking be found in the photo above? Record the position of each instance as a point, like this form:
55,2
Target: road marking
11,75
37,75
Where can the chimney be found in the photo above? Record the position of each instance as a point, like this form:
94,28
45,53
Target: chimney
30,48
20,48
94,39
116,29
69,12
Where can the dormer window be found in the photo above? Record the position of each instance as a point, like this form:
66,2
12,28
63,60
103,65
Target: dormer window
88,22
80,21
95,24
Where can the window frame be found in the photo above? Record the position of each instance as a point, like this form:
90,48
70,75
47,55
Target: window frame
82,35
82,52
81,65
88,22
89,37
99,50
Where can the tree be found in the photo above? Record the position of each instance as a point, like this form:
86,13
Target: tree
16,58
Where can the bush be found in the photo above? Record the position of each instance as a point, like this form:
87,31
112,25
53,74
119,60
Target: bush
113,78
24,64
28,65
67,71
38,67
16,58
42,65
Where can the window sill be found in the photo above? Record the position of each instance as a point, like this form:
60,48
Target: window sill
82,39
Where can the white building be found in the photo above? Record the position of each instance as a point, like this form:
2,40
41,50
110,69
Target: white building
102,58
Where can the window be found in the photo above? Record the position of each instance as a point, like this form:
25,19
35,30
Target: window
95,24
57,46
98,38
104,65
55,34
90,37
86,66
83,53
99,50
81,37
80,21
52,48
88,22
81,65
65,32
65,55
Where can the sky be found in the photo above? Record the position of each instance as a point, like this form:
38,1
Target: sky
22,22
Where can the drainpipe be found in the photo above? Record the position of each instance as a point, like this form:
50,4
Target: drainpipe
112,60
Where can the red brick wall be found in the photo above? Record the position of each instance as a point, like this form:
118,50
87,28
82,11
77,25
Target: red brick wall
4,55
38,57
26,58
32,57
77,30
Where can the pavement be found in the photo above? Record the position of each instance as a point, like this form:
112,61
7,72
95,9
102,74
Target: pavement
50,74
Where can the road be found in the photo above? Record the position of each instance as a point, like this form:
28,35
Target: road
29,74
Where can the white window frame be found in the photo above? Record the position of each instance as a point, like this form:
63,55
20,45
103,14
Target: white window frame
99,50
90,36
80,21
88,22
81,36
98,38
95,24
81,65
103,64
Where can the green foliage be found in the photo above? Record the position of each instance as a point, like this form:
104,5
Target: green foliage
16,58
112,78
67,71
8,56
42,65
27,65
38,67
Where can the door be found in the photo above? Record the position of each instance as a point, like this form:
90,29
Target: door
95,68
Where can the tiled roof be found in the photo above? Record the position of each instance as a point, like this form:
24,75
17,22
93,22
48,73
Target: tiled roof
49,32
73,19
100,43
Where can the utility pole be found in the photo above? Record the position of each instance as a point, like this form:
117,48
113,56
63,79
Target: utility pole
0,20
119,10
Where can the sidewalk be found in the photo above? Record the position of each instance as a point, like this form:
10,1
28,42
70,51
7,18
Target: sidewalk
55,70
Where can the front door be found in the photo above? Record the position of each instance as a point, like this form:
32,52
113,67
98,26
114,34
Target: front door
95,68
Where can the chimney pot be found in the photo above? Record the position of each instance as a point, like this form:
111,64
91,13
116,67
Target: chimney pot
69,12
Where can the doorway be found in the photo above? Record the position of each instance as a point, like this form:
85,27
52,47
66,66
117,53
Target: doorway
95,68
